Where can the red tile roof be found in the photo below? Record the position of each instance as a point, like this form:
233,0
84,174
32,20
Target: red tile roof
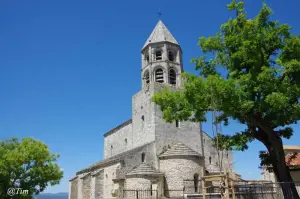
292,159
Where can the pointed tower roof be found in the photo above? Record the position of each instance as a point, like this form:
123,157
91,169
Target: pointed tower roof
159,34
179,149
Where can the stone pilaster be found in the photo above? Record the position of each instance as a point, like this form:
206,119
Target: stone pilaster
80,187
93,187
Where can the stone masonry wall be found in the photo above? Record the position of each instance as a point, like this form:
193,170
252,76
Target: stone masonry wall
109,175
178,169
99,185
118,142
142,118
74,189
211,151
135,159
86,187
166,134
138,183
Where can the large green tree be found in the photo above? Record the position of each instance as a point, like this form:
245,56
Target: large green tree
252,76
27,164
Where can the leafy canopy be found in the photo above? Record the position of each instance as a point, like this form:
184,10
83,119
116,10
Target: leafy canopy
27,164
252,76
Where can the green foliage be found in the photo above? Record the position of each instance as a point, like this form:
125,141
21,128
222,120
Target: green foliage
27,164
260,85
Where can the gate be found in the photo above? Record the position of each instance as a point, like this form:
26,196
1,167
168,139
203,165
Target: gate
140,194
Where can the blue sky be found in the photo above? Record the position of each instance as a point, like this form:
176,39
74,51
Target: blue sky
68,69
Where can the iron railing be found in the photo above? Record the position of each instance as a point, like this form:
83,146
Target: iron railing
140,194
241,190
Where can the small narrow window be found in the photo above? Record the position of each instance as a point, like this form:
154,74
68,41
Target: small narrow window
143,117
196,176
111,146
147,58
171,56
159,75
172,77
203,140
143,157
177,123
125,140
209,160
158,55
147,77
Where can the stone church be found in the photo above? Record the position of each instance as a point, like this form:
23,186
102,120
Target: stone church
145,152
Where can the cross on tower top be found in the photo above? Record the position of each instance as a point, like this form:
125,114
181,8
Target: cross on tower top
159,14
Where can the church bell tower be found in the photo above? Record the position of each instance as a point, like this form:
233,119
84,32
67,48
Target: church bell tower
161,68
161,58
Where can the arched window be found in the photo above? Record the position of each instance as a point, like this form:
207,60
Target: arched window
143,157
147,77
159,75
147,57
171,56
158,55
172,77
209,160
196,181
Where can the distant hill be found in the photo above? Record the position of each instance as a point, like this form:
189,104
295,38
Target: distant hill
52,196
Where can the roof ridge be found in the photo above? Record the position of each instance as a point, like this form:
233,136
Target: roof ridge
118,127
179,149
111,159
144,168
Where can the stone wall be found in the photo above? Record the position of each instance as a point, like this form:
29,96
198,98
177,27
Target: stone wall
179,169
87,187
118,141
134,159
74,189
211,151
99,186
138,183
166,134
164,64
142,118
109,175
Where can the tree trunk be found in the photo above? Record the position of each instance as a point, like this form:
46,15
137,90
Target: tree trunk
280,169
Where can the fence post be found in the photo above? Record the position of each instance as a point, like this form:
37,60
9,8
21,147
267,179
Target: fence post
232,188
137,194
203,189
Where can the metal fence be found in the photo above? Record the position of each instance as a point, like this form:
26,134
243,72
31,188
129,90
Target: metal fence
140,194
263,191
241,190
